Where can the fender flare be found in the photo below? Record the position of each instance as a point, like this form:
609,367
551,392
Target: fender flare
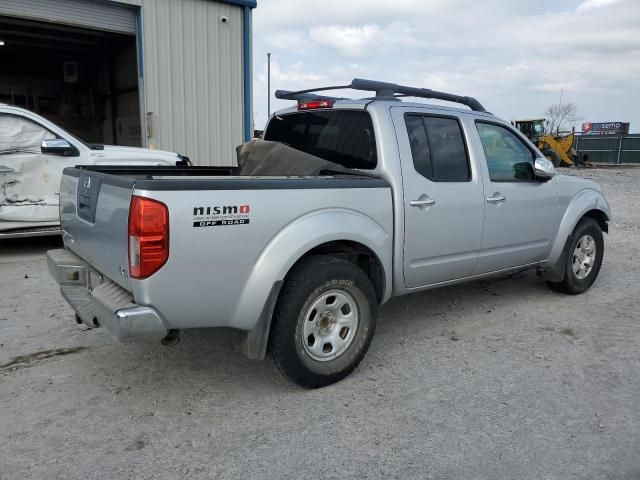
257,300
582,203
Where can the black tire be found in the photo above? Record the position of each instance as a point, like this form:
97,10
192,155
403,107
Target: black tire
571,284
553,156
303,287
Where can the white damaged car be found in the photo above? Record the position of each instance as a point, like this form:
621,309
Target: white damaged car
33,154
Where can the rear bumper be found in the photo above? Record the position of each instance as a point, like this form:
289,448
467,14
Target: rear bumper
101,302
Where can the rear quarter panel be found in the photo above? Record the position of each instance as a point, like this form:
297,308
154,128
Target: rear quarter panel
221,276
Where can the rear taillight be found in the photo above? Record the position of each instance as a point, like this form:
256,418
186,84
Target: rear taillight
148,236
316,104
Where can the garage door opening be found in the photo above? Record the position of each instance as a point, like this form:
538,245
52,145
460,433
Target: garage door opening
84,80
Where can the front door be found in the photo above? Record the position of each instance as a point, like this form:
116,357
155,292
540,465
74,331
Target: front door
443,198
521,214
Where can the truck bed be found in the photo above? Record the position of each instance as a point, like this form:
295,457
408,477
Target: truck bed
226,232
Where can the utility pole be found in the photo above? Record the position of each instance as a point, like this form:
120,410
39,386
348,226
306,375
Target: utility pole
268,85
561,97
560,116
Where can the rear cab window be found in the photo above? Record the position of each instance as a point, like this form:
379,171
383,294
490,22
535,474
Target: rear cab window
344,137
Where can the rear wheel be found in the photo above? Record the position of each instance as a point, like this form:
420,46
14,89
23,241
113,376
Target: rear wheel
583,258
324,321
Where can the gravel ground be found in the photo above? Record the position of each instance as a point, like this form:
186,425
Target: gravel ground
489,380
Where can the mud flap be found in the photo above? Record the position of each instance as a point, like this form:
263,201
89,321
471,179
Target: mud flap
254,342
557,271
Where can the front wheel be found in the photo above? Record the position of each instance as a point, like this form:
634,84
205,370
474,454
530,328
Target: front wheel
583,258
324,321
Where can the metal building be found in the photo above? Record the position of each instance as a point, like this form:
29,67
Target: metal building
167,74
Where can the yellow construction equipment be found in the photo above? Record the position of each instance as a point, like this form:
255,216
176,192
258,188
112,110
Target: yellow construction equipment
558,148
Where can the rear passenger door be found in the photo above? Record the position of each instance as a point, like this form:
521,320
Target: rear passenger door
443,198
521,215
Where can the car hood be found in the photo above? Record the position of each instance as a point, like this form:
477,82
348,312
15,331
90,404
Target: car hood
134,154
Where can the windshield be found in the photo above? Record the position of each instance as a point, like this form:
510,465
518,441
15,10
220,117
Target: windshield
344,137
531,129
538,128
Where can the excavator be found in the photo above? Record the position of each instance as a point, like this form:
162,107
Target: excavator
558,148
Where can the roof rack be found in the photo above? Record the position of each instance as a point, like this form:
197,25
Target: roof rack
384,91
306,95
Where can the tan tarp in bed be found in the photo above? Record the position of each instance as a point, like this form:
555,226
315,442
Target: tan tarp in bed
261,157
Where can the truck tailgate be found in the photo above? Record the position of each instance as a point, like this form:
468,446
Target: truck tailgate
94,214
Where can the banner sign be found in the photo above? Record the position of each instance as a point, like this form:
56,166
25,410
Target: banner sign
606,128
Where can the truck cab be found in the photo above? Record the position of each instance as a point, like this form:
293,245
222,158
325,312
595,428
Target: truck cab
468,172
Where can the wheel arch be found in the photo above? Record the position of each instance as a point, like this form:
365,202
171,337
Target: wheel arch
358,254
601,217
588,203
340,232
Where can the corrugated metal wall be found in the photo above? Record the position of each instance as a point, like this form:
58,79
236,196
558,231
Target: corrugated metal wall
193,78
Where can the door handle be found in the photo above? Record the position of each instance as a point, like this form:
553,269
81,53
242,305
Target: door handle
497,198
423,201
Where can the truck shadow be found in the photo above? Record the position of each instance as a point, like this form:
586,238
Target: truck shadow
208,362
28,247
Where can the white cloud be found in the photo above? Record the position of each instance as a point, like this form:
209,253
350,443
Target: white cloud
351,41
294,74
591,4
276,13
286,40
357,41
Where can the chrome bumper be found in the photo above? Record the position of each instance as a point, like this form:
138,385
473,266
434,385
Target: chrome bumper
101,302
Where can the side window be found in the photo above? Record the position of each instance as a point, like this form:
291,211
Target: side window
438,148
508,158
21,135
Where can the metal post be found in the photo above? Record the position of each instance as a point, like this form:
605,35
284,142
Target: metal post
268,85
619,149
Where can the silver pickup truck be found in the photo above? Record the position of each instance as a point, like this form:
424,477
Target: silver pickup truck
422,196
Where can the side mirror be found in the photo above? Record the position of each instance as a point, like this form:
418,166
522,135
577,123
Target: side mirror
544,168
57,146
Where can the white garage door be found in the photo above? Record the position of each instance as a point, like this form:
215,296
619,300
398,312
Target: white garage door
101,15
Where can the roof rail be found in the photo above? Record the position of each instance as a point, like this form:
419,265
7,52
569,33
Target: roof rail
384,91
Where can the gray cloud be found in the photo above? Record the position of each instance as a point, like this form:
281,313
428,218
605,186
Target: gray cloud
515,56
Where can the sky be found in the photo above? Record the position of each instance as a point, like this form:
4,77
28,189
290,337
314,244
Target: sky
516,57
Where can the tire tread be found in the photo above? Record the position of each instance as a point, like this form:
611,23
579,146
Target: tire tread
306,276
